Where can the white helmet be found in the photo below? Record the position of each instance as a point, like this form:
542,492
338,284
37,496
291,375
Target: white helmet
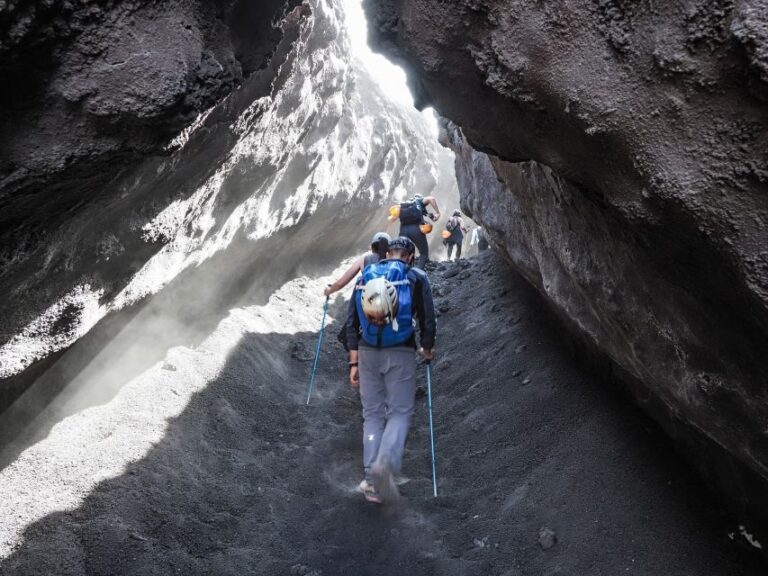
380,302
380,236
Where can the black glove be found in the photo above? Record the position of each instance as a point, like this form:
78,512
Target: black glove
432,217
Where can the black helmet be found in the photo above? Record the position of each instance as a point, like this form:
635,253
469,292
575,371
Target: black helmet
380,236
404,244
457,212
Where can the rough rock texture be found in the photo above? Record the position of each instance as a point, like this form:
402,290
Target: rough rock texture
306,145
91,87
628,180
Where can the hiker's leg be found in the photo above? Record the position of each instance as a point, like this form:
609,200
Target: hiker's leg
400,382
423,247
412,231
450,249
458,250
373,398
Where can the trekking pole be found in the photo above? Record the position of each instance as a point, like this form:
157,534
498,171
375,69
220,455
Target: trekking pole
317,350
431,428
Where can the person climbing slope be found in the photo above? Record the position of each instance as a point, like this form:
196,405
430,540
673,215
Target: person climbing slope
379,246
479,239
381,339
455,228
412,224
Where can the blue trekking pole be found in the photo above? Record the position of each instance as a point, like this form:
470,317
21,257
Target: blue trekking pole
431,428
317,350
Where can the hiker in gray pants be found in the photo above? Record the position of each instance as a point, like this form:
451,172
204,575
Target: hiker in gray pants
383,363
387,392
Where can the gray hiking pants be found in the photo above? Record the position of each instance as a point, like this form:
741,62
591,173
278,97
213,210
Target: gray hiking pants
387,388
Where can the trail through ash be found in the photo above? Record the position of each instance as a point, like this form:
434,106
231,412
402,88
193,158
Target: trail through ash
210,463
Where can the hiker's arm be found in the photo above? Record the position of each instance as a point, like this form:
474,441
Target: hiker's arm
353,324
345,278
354,369
432,201
426,312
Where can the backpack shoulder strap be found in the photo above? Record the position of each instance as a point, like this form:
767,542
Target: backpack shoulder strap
369,259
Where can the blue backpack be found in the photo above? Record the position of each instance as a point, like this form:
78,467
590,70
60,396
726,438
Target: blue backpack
400,330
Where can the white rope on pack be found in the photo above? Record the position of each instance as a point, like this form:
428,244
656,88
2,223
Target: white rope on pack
393,282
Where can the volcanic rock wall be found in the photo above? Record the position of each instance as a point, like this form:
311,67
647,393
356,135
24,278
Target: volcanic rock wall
617,152
288,150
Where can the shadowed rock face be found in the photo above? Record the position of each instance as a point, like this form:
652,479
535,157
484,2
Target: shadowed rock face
281,176
618,154
90,88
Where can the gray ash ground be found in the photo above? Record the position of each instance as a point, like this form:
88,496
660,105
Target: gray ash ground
542,470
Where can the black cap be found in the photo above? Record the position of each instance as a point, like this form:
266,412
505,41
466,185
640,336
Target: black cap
404,244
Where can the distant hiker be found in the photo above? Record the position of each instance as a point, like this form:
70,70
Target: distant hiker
479,239
411,214
379,245
381,339
455,238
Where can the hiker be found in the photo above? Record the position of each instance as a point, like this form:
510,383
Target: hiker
479,239
455,228
381,339
379,245
411,214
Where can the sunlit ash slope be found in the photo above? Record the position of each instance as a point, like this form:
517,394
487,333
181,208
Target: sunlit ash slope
286,166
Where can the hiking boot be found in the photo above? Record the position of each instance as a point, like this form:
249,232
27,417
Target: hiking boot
369,491
384,481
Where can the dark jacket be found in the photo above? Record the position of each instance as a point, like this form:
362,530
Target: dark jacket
423,310
457,233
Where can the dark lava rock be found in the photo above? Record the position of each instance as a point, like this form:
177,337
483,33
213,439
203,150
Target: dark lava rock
451,272
300,352
547,538
303,570
81,103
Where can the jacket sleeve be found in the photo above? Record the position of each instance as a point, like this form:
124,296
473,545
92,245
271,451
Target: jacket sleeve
425,310
353,322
